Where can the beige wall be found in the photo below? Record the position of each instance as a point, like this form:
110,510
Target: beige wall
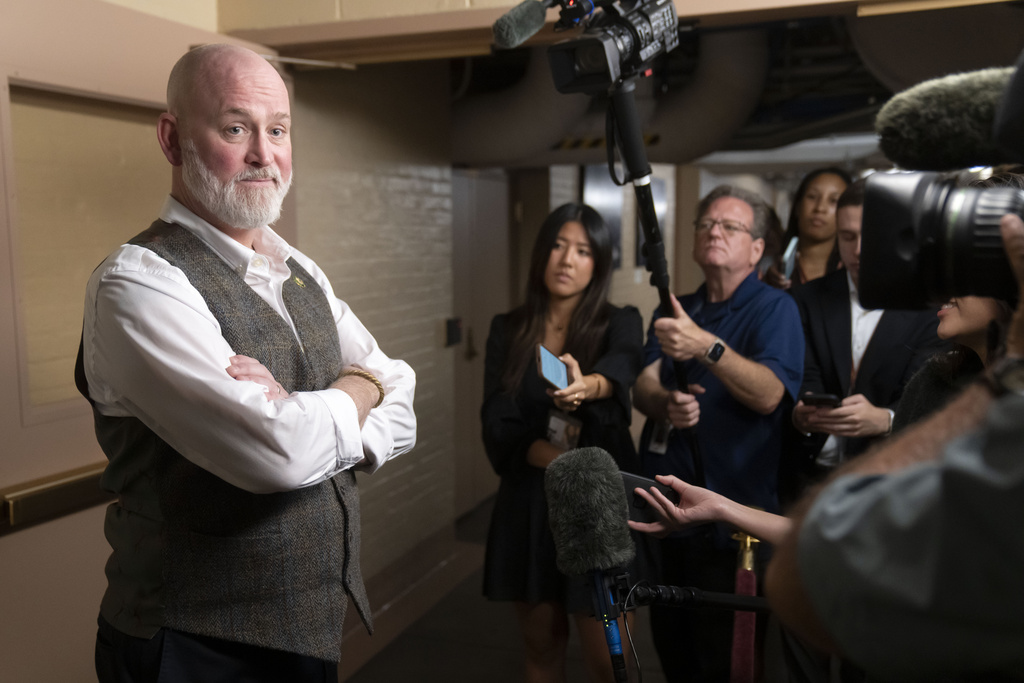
258,14
51,582
201,14
69,152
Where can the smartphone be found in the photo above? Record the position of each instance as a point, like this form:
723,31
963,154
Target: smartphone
821,400
789,258
639,509
551,369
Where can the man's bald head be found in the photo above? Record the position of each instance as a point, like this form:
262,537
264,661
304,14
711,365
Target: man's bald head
206,68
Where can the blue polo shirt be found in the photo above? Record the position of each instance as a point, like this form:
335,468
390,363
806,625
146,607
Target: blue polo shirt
740,447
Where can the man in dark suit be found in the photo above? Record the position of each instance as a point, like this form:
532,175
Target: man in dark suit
862,357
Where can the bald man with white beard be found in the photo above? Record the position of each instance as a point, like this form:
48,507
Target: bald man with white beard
234,395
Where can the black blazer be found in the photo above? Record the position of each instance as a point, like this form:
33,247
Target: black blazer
900,345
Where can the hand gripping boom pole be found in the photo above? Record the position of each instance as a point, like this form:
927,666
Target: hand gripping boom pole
623,127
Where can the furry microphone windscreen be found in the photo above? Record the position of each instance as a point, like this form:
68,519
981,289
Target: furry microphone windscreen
944,124
520,23
1009,126
588,510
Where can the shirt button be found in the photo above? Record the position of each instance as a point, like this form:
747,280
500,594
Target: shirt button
257,262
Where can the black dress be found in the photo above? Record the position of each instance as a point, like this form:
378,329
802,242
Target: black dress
520,561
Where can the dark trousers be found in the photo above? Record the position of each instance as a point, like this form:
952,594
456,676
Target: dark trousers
694,644
176,657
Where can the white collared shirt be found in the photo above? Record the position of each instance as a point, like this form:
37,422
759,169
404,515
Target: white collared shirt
862,326
153,350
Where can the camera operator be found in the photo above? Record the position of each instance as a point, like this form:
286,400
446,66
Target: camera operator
743,348
908,560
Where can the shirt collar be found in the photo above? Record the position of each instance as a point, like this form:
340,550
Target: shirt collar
746,291
854,296
267,242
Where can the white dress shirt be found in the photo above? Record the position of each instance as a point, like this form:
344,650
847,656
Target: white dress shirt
862,326
153,350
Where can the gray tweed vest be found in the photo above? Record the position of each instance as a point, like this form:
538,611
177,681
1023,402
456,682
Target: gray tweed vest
194,553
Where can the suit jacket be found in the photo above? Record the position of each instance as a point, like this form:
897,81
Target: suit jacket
899,346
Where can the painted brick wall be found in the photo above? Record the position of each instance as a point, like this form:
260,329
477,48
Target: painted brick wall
373,207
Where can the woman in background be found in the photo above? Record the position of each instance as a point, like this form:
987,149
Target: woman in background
975,324
812,221
524,427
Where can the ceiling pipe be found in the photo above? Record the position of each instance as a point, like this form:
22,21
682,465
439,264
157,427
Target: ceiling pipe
531,124
511,127
721,96
902,50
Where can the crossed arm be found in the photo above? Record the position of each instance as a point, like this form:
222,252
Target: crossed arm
154,350
363,392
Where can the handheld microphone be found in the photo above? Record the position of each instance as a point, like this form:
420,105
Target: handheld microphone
945,123
520,23
588,513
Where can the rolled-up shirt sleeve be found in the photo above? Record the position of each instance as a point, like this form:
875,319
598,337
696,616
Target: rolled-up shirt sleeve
390,428
153,350
916,575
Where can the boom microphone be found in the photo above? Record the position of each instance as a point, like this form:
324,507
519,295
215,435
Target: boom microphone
945,123
520,23
588,511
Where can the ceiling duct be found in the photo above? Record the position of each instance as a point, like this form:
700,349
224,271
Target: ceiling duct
902,50
723,93
531,124
513,126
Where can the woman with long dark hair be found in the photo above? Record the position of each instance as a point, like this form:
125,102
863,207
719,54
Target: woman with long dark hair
527,424
812,221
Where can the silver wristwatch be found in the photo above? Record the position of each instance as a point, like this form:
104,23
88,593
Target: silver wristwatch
714,352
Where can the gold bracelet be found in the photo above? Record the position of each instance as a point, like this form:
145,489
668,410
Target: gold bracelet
369,378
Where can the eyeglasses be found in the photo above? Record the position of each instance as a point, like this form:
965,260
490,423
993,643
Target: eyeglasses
730,227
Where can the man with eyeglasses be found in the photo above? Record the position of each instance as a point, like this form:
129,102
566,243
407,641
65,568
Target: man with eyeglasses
743,348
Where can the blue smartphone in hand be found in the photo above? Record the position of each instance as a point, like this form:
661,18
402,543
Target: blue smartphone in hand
552,369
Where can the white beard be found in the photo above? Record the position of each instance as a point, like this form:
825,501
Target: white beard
232,203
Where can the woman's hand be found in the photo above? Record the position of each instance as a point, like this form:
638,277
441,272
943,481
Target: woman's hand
696,506
579,389
774,277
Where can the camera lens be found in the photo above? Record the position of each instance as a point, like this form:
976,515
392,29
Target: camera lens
975,261
591,59
925,240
